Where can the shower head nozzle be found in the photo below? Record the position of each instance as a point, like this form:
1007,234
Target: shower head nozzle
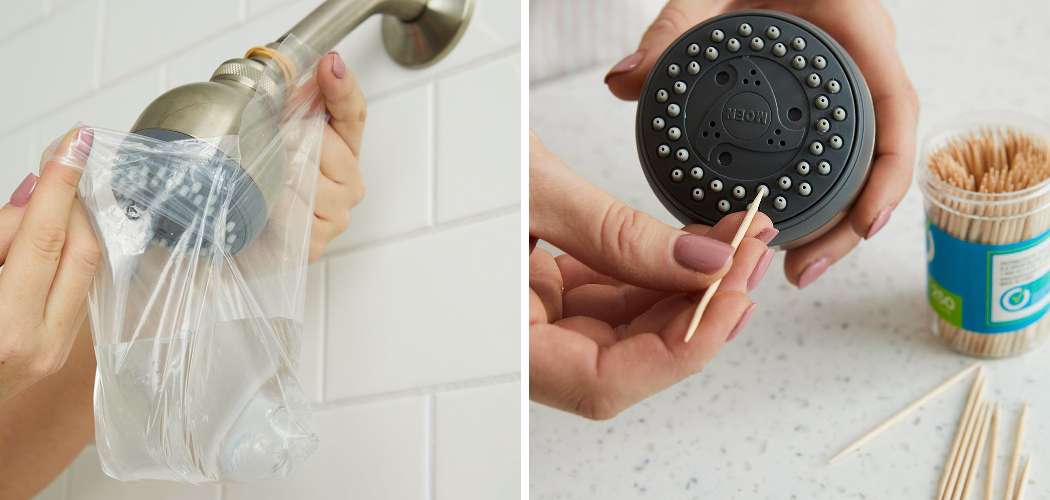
755,99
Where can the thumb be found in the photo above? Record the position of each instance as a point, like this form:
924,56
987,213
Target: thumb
612,238
626,78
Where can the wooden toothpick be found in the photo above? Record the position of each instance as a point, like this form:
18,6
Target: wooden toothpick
710,292
1023,482
1011,475
971,402
854,446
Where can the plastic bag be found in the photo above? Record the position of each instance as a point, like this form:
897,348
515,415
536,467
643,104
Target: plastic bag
197,308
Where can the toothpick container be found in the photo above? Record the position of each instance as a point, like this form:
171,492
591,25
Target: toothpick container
987,197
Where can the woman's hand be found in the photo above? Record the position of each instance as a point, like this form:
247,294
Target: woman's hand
607,321
49,253
340,186
866,31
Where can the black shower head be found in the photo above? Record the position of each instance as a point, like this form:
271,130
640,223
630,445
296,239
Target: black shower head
756,98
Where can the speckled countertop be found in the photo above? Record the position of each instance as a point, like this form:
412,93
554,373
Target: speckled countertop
815,368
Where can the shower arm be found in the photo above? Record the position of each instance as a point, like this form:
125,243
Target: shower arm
415,32
333,20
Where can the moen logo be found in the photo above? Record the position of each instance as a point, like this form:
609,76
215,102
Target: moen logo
746,115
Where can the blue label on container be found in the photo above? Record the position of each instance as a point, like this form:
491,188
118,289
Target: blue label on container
988,288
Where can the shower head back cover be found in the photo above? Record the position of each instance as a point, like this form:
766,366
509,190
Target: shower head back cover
756,98
196,330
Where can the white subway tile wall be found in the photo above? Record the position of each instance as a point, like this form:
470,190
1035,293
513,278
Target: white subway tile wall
411,340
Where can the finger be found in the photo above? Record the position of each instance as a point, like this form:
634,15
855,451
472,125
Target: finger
545,282
592,294
333,203
612,238
891,172
340,165
570,371
626,78
344,100
806,263
614,305
76,268
10,219
575,273
37,247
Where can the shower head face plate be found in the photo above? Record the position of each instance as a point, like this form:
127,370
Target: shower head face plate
750,99
208,195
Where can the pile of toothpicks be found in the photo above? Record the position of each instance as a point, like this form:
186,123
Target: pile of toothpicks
978,429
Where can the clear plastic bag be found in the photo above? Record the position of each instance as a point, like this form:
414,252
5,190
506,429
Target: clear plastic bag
197,308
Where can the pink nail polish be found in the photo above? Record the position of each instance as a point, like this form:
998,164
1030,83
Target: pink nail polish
760,269
767,234
338,66
24,191
742,322
702,254
879,222
813,271
627,64
85,138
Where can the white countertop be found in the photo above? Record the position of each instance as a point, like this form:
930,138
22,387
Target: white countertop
815,368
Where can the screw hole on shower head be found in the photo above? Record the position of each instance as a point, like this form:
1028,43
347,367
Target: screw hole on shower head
722,78
794,114
725,159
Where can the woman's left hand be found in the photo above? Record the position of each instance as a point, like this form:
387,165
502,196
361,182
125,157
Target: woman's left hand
340,186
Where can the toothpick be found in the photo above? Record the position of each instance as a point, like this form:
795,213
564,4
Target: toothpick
1012,474
971,403
989,481
964,447
904,413
710,292
975,454
1023,483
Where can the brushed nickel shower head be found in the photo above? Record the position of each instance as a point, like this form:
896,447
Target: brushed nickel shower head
416,33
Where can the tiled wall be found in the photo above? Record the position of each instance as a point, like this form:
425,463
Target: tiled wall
412,344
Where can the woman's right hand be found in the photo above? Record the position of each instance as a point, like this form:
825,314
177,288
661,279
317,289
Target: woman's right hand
607,321
49,254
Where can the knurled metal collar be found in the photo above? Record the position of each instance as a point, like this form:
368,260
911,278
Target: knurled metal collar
251,73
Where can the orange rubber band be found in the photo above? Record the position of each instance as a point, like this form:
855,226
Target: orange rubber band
282,62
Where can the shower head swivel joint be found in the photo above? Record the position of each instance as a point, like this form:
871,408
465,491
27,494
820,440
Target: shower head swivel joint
416,33
756,98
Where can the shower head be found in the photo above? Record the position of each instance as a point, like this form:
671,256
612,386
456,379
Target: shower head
756,98
416,33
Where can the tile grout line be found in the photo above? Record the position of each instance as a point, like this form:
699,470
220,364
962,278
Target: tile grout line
322,379
463,67
432,90
101,86
506,378
432,445
67,483
425,231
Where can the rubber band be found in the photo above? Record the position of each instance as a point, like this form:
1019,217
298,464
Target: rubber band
285,65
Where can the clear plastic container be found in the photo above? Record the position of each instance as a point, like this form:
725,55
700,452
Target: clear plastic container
988,253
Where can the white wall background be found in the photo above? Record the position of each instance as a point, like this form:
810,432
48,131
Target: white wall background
412,346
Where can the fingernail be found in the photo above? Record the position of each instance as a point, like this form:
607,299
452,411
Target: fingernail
24,191
701,253
742,322
627,64
767,234
85,138
879,222
338,67
760,270
813,271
